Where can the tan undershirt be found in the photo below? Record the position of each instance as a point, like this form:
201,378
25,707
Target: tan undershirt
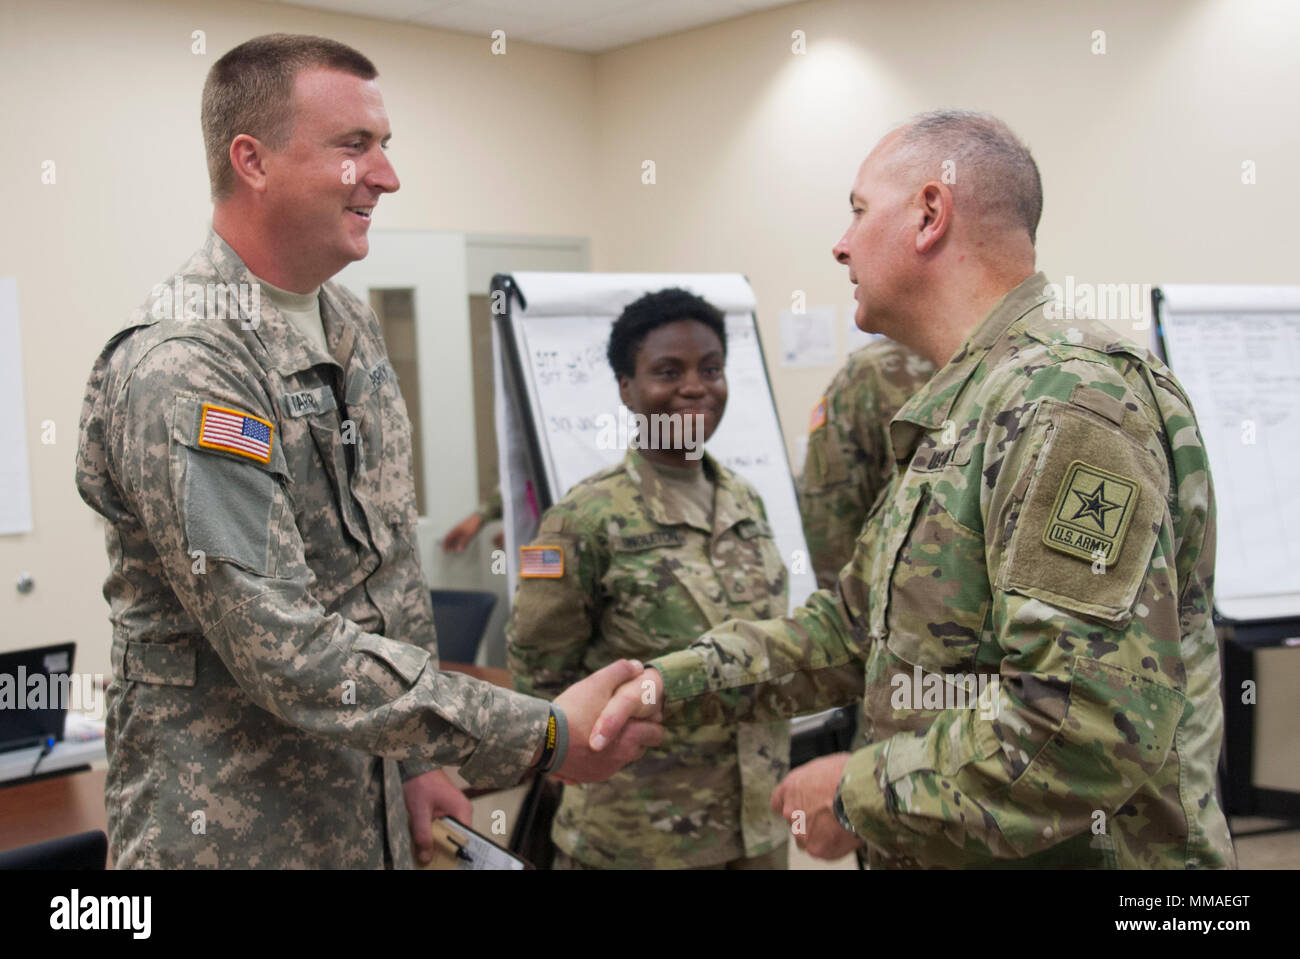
302,310
691,483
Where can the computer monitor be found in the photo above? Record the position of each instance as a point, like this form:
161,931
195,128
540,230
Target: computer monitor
34,695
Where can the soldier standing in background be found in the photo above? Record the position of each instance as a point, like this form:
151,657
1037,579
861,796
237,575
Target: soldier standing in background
1050,527
276,698
462,534
643,557
849,458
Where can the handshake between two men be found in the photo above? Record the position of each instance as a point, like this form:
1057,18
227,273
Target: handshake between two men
615,714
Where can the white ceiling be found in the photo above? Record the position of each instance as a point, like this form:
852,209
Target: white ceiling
589,26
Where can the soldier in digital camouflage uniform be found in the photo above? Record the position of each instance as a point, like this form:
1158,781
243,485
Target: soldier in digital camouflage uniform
849,459
655,553
275,675
1050,523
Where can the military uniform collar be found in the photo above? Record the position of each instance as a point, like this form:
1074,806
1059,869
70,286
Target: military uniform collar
667,508
289,350
932,404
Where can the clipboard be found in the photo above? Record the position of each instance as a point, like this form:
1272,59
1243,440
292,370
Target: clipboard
457,846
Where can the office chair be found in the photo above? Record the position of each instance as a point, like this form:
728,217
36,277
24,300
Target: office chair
460,617
86,851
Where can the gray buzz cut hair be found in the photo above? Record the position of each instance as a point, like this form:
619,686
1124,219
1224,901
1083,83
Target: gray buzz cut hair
994,170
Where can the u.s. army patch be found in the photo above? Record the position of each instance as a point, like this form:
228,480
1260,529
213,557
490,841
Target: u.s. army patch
541,562
1091,514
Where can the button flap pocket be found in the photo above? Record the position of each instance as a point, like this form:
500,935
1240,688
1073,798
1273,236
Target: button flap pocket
883,540
939,594
825,467
947,446
160,664
230,512
955,739
406,660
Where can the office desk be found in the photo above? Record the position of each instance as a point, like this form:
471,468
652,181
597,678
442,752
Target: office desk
51,808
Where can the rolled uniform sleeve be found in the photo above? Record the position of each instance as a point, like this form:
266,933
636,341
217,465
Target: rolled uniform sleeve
1089,692
553,617
491,508
224,528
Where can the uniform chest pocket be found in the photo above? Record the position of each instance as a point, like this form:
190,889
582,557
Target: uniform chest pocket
384,440
363,427
752,572
330,435
659,584
938,590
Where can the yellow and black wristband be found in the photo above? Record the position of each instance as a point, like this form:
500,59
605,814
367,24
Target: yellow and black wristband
556,743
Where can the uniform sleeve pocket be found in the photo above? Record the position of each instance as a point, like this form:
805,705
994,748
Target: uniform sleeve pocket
1118,728
825,467
230,511
955,739
231,503
1092,515
406,660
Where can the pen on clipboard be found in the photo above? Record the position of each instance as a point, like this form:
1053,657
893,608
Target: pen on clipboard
451,846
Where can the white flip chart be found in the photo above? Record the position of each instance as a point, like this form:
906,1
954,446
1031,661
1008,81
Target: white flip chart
1236,350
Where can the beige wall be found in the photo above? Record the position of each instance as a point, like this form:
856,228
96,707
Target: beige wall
110,92
1141,151
1140,148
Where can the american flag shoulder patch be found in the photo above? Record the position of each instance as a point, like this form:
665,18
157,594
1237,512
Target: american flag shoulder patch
234,432
541,562
818,418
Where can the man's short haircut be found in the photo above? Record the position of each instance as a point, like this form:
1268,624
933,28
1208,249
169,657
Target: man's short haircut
250,90
649,313
994,171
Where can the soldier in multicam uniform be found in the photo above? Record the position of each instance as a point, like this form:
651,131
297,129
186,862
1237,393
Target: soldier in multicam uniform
655,551
276,698
1050,523
849,459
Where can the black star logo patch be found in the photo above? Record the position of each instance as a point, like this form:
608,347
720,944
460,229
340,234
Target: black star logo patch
1095,505
1092,512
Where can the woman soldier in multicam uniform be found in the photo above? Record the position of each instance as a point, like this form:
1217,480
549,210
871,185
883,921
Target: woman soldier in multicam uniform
656,551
